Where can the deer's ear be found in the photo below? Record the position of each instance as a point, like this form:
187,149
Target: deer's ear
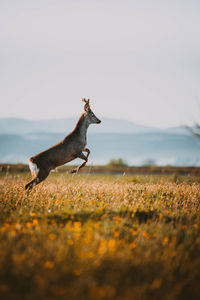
87,105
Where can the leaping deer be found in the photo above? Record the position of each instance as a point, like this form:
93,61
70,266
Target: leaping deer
71,147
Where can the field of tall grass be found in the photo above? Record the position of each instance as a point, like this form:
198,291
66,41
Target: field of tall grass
100,237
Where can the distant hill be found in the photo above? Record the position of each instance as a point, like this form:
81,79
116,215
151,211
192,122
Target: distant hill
135,149
22,126
136,144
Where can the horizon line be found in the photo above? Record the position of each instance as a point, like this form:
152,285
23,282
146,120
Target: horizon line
111,118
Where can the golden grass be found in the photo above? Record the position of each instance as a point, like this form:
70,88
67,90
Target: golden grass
100,237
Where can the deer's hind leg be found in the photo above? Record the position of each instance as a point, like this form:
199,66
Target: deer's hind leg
84,157
42,175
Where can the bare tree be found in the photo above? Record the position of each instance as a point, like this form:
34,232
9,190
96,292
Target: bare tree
194,130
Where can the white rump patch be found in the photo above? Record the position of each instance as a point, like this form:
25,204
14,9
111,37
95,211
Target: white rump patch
34,169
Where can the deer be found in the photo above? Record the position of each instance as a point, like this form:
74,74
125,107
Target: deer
70,148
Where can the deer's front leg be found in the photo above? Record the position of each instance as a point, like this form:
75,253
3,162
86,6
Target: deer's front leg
84,157
88,151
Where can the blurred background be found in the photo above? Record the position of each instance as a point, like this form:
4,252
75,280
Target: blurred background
138,62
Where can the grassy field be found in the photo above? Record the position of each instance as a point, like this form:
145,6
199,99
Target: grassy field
100,237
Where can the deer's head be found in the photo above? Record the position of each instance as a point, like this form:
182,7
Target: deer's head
92,119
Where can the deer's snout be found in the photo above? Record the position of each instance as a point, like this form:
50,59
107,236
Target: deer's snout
98,121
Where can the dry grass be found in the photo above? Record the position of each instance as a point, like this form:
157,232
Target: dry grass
100,237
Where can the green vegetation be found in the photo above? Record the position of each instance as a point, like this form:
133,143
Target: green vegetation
100,237
117,163
113,167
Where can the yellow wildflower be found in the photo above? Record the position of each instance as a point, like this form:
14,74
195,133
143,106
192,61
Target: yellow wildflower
133,231
156,283
70,242
102,247
96,293
77,272
165,240
48,264
116,234
198,240
145,235
28,225
52,236
35,222
132,245
111,246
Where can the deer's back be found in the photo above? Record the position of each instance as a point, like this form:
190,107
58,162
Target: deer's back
61,153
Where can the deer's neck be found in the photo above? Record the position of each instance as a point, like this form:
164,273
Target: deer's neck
81,126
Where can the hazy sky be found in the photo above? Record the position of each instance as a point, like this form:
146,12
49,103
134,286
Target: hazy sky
135,60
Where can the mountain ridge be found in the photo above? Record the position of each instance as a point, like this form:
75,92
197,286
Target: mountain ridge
136,149
136,144
66,125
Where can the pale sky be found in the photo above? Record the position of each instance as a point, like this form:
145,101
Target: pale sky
135,60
